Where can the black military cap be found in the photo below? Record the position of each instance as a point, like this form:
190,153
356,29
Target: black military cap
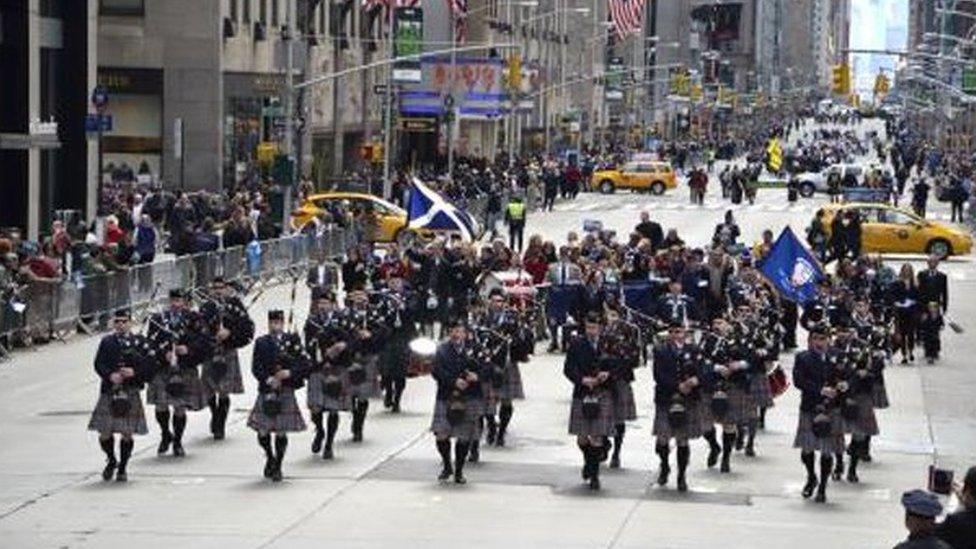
177,293
321,292
275,314
122,314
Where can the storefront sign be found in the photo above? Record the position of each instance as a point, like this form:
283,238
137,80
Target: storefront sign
418,124
408,39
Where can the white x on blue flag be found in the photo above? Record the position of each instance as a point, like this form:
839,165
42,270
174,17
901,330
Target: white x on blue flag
430,210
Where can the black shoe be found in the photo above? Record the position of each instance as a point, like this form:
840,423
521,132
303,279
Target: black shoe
387,401
164,443
713,457
809,487
459,478
821,496
178,449
357,436
446,473
662,476
219,435
740,440
490,435
276,475
615,462
838,473
317,442
500,439
269,465
594,483
327,453
852,476
724,468
474,455
682,485
396,408
866,457
109,470
121,475
750,451
586,472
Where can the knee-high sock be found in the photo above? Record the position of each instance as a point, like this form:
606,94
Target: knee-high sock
751,433
461,449
332,425
728,443
684,455
618,438
662,453
281,444
826,468
399,384
212,404
504,417
179,426
444,449
712,439
807,458
125,452
162,418
317,421
223,407
108,446
264,441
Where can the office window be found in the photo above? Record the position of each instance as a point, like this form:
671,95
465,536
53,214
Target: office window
122,7
246,10
263,11
233,10
274,12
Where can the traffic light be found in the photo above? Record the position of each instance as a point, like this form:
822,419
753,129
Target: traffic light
881,85
841,79
515,72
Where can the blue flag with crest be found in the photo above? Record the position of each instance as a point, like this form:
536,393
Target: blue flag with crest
792,269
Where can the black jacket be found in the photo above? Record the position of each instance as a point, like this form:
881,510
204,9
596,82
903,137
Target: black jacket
933,286
112,355
811,372
582,360
959,529
450,364
268,359
669,370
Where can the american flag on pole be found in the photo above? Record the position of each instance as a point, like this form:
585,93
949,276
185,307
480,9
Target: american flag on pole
459,8
627,16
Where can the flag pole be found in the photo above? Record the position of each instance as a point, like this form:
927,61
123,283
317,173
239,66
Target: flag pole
450,87
388,107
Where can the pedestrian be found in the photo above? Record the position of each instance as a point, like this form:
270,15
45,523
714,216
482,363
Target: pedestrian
921,510
930,326
904,296
551,183
920,197
515,214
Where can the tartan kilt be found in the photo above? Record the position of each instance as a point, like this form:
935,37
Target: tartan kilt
315,396
692,429
866,424
469,429
289,420
512,388
879,395
808,442
134,422
230,383
739,409
193,398
369,388
602,426
624,405
761,393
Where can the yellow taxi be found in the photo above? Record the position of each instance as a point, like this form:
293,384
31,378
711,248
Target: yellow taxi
390,221
886,229
640,175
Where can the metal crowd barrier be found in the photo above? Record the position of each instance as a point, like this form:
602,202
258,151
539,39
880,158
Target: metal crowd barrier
52,309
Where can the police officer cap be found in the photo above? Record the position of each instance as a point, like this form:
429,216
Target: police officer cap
122,314
495,292
594,318
276,314
177,293
818,331
457,322
921,503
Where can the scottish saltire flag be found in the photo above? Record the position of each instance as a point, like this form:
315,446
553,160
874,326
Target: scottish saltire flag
429,210
792,269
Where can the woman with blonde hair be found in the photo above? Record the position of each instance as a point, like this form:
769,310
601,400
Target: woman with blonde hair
904,298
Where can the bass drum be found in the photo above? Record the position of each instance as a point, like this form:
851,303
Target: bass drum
422,351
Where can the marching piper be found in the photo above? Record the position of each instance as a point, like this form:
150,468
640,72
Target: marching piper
328,343
123,362
678,375
623,341
181,337
400,312
507,385
819,427
366,323
460,401
725,392
591,416
230,328
858,411
279,365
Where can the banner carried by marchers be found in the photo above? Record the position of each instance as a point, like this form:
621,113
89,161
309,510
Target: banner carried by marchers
792,269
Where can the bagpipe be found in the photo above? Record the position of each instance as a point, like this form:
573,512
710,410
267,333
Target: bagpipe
689,365
290,356
137,353
224,313
165,334
493,348
837,379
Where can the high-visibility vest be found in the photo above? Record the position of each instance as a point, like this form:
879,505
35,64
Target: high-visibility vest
516,211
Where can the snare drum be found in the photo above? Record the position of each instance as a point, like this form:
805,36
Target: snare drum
422,352
778,381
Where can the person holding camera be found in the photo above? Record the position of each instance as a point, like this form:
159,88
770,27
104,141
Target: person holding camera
959,528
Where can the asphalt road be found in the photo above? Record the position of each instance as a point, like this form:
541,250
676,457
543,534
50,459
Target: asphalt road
383,492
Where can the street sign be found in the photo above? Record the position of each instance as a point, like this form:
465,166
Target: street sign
379,89
99,97
417,124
